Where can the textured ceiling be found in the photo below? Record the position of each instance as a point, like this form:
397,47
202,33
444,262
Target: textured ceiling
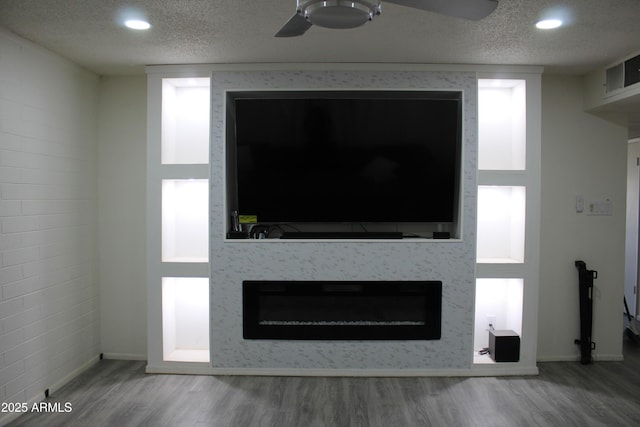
89,33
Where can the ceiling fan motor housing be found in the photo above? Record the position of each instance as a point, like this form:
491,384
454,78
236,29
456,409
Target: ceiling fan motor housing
339,13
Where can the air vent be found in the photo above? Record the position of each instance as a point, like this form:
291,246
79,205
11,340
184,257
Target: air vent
632,71
615,77
623,75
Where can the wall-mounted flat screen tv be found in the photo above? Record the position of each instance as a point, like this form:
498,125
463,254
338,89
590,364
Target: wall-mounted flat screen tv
344,157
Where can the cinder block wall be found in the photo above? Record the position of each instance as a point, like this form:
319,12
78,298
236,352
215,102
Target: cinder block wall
49,307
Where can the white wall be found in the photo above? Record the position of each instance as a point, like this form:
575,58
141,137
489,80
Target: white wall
582,154
49,311
122,216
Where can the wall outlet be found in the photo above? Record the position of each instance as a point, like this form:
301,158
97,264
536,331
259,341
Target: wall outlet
491,321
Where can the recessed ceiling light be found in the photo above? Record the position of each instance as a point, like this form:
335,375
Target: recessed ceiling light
137,24
548,24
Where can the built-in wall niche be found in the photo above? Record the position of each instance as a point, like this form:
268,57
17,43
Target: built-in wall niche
185,207
185,319
185,121
501,124
288,260
501,224
498,301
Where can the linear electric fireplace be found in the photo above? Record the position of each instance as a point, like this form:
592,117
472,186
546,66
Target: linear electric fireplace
337,310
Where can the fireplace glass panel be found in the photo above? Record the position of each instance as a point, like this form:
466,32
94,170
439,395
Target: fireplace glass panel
342,310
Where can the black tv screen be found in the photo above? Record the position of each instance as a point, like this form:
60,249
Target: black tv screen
344,156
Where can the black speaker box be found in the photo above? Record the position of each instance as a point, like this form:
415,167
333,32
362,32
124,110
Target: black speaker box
504,346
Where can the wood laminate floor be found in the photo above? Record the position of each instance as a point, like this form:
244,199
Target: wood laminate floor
119,393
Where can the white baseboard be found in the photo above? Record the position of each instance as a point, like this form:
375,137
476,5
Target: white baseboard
72,375
124,356
179,368
563,358
576,358
195,369
608,357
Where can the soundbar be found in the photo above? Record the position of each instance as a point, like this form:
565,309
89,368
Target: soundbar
341,235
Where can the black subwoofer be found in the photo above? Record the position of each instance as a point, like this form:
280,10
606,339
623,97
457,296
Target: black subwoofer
504,346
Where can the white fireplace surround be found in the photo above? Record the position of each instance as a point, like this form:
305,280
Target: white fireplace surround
232,261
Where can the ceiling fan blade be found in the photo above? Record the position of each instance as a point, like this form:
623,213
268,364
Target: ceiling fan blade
296,26
467,9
